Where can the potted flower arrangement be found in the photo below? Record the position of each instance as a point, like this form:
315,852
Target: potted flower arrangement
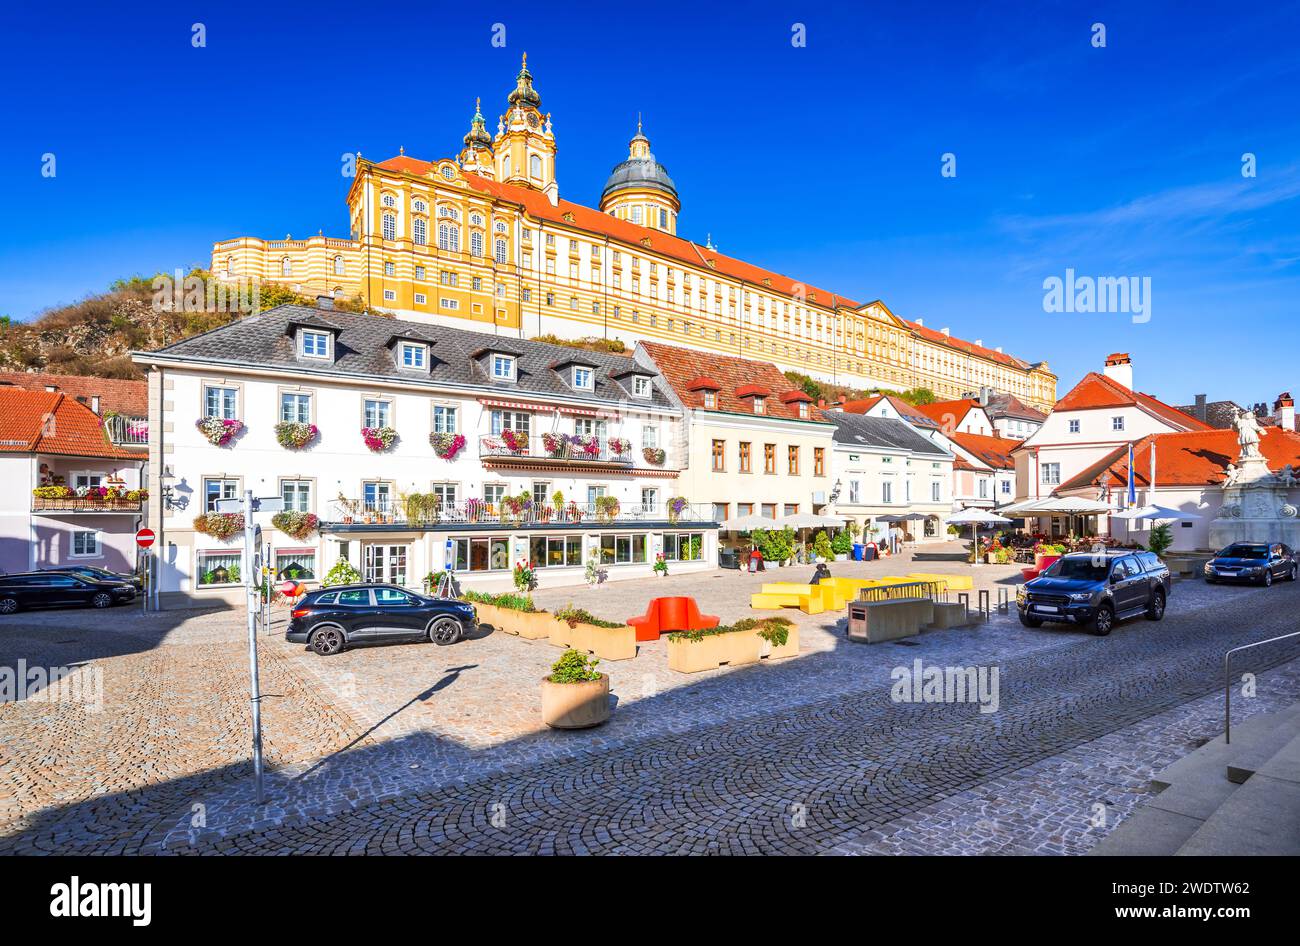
654,455
219,525
219,431
525,576
296,525
446,446
661,565
343,573
378,439
474,508
619,446
607,508
555,444
293,435
516,508
588,447
675,507
575,695
516,441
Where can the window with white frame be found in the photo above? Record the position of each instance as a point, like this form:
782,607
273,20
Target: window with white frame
390,268
649,435
641,386
388,200
475,243
315,344
1074,426
295,407
414,355
286,267
420,231
583,378
85,543
390,295
445,493
1117,422
936,491
296,495
444,419
419,272
555,551
376,496
295,564
339,268
855,491
450,304
377,412
649,498
500,251
419,206
388,224
220,401
886,491
218,488
421,298
503,368
217,568
519,421
449,237
1051,473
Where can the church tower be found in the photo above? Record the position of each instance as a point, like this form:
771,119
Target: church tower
640,191
476,156
524,148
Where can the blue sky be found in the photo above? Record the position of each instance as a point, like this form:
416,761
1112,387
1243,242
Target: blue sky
821,162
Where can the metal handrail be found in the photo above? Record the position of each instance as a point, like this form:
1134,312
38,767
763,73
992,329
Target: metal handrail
1227,681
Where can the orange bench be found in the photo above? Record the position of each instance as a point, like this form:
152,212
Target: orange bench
670,614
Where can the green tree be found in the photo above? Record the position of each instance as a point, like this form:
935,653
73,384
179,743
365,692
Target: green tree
1161,539
804,383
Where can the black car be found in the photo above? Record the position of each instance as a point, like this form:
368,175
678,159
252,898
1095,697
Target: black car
60,589
1256,562
1096,589
349,615
100,574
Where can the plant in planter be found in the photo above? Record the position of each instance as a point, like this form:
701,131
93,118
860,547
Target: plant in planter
661,565
218,431
516,441
219,525
296,525
475,508
593,573
619,446
654,455
586,447
293,435
516,508
842,544
446,446
607,508
575,695
555,444
822,546
378,439
675,507
525,576
1160,540
342,574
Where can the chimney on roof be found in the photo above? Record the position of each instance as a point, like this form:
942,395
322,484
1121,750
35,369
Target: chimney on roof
1284,407
821,402
998,349
984,395
1199,411
944,330
324,302
921,322
1119,368
979,343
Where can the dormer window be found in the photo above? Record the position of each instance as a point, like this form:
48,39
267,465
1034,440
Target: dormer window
315,344
583,378
760,405
641,386
503,368
803,411
414,356
710,399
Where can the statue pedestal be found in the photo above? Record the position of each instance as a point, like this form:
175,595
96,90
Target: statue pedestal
1256,508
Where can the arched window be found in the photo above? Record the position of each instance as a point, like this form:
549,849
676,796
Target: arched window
338,292
418,206
500,226
338,266
505,166
420,231
388,200
389,227
449,237
450,213
476,244
286,267
476,219
500,249
535,165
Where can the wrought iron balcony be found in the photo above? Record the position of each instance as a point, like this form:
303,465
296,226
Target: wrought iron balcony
78,504
420,511
127,431
568,448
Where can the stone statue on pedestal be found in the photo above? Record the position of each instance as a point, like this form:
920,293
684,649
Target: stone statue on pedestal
1256,504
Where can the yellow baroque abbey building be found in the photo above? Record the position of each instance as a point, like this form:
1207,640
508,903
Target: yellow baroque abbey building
485,240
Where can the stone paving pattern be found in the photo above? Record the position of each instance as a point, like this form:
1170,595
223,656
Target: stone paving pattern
415,747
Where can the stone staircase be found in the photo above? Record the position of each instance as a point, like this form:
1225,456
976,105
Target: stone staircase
1238,799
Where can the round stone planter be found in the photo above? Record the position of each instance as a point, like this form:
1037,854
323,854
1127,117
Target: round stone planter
575,705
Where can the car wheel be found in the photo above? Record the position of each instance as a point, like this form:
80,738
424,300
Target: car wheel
1103,622
1268,578
101,600
8,605
444,631
1027,621
327,641
1156,609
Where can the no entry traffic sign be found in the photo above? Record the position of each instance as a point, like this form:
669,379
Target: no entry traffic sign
144,538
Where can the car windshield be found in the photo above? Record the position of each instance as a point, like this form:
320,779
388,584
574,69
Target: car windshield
1245,551
1082,569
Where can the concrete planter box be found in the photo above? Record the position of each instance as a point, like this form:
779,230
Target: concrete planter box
769,651
607,643
531,625
713,651
575,705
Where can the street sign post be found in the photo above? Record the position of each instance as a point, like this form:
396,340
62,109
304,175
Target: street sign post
145,538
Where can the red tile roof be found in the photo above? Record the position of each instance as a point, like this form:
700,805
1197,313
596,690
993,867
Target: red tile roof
947,413
1194,458
681,368
568,213
993,451
51,422
908,412
115,394
1096,390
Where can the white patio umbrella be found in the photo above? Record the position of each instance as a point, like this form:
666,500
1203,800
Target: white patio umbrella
808,520
747,523
1156,512
976,518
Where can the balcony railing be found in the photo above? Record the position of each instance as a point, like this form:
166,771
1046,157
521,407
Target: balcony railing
83,504
564,447
127,431
418,512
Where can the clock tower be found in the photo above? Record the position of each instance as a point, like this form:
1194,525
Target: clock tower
524,148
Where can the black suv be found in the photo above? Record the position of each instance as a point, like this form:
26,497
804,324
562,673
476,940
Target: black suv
1096,589
1258,562
59,589
349,615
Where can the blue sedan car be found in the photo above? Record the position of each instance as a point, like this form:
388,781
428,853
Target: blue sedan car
1259,563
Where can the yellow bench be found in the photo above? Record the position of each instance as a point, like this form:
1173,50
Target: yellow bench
848,587
950,582
830,596
772,601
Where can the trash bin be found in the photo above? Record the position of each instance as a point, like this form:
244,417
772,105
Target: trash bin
869,553
858,549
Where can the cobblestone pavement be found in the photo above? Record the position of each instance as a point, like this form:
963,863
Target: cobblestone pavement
422,748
